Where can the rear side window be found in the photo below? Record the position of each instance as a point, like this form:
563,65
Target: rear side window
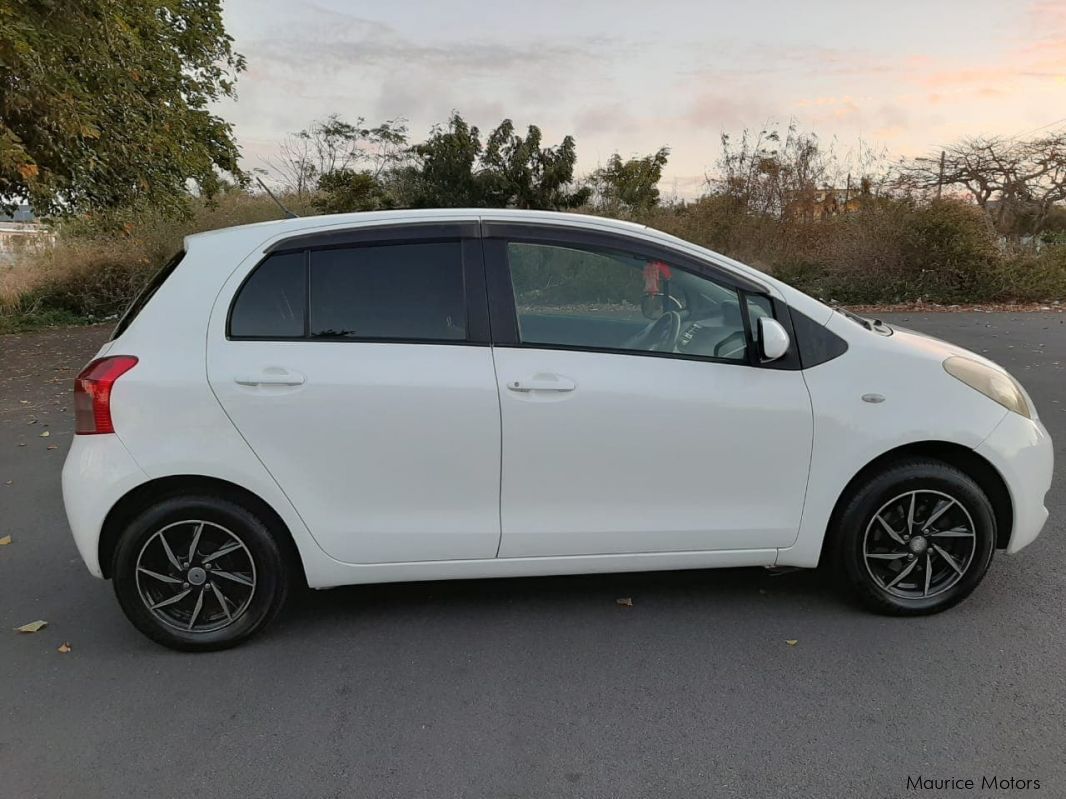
272,303
158,279
410,292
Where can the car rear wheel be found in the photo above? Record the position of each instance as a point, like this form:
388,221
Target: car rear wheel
199,573
915,539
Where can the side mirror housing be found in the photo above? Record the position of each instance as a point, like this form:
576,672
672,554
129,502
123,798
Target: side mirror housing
773,339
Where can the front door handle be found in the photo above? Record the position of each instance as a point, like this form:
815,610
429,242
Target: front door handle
271,377
542,382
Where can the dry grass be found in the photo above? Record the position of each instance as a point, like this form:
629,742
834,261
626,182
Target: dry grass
892,251
98,265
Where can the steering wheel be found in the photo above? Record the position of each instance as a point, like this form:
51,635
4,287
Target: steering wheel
660,336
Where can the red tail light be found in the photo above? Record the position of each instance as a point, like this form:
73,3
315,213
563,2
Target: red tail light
92,393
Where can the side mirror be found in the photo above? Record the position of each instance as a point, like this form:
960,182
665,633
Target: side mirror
773,339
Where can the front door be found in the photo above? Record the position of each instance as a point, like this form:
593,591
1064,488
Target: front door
362,378
636,417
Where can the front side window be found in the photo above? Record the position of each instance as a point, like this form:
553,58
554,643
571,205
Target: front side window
606,299
396,291
759,307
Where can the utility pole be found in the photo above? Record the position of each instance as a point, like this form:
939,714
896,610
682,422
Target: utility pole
940,177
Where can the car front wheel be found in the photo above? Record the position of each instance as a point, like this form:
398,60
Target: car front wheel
199,573
915,539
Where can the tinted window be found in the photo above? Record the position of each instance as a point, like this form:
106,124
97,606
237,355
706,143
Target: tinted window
759,306
395,291
158,279
606,299
273,301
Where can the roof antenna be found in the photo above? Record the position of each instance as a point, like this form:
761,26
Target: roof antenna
288,214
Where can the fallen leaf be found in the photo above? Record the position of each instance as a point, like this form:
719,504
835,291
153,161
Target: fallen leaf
22,444
626,602
791,641
5,541
32,627
52,446
45,434
64,648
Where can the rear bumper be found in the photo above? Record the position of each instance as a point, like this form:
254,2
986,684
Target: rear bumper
97,473
1021,450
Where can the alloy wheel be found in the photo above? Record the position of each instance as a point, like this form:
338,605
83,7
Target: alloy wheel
195,576
919,544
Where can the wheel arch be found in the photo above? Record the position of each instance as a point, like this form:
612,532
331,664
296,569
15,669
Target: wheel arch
147,494
980,469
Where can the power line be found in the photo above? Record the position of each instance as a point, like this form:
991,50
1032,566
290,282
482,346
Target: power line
1035,130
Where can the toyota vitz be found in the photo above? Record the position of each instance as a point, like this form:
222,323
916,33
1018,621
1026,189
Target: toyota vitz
415,395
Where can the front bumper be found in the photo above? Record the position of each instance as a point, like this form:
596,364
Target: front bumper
98,472
1021,450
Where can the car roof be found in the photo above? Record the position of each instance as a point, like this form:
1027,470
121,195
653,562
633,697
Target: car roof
303,224
258,233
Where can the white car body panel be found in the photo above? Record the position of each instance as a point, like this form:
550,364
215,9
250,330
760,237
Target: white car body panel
650,454
919,405
1021,451
377,476
170,423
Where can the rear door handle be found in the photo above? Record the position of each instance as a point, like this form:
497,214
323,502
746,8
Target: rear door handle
542,382
271,377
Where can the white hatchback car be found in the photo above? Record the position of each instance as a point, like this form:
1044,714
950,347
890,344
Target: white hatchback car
416,395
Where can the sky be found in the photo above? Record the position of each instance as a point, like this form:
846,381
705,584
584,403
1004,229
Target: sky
904,77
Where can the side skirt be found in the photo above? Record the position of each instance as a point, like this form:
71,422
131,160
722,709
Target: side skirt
328,573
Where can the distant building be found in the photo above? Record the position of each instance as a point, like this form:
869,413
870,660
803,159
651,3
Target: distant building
22,232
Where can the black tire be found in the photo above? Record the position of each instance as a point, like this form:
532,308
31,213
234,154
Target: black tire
224,617
866,549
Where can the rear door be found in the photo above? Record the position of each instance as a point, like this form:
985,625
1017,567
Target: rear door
636,415
357,367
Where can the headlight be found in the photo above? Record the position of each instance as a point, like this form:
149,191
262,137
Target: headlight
994,384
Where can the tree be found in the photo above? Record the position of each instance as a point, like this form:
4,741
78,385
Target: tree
444,177
346,190
764,174
334,145
104,104
455,170
517,172
1017,182
631,185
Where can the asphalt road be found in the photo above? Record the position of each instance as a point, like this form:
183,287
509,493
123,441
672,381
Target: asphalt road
531,687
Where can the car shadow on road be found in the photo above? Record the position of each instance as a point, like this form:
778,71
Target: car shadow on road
744,592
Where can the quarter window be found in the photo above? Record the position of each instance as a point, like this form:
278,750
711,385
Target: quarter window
607,299
397,291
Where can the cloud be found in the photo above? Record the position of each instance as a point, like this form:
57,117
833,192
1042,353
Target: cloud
347,43
627,84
